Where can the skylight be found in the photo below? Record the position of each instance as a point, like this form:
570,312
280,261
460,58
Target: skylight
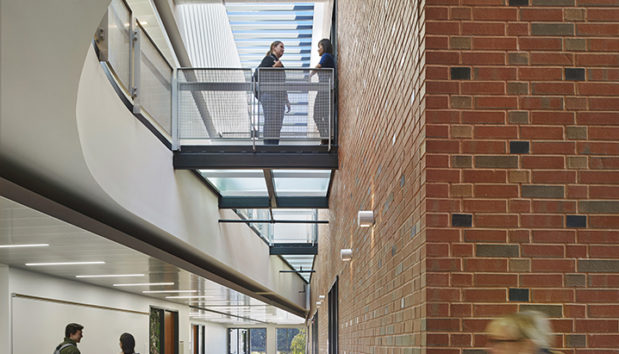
256,25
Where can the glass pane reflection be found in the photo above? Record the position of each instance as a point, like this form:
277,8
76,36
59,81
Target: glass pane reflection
301,183
237,183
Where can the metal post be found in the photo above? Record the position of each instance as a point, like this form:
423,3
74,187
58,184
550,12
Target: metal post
254,102
175,128
330,105
101,37
136,51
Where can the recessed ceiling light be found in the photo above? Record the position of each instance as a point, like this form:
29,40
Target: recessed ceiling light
144,284
25,245
168,291
62,263
108,275
189,297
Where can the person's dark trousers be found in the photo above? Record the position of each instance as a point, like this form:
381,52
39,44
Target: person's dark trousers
273,107
321,116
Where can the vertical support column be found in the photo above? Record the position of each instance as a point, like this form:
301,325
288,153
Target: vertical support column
175,133
5,309
271,340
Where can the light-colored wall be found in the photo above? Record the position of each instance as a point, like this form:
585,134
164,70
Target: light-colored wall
216,338
102,327
5,306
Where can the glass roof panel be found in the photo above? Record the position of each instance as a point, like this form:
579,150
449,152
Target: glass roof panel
237,183
301,183
256,25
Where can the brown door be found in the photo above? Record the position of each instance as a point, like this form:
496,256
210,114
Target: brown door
195,338
169,320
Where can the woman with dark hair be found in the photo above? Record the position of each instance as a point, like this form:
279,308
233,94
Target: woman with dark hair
273,101
322,102
127,343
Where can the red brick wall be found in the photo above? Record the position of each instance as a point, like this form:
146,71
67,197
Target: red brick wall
381,169
519,111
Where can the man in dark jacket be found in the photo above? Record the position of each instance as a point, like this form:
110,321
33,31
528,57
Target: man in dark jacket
72,336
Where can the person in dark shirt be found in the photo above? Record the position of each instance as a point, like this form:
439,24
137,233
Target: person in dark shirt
273,100
323,99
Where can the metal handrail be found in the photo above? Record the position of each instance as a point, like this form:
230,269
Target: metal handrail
215,115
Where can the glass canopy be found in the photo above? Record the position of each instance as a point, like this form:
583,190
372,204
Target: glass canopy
256,25
259,183
241,183
303,183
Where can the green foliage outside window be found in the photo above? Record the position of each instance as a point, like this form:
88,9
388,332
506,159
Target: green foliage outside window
298,343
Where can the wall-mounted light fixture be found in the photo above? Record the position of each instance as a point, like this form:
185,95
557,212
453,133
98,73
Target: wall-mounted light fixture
365,218
346,254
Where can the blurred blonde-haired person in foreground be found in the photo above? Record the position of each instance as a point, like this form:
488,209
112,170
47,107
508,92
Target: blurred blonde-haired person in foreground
525,332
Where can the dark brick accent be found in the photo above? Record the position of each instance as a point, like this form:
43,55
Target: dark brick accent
575,280
553,311
496,161
576,221
575,74
575,340
518,117
518,294
460,42
553,3
575,44
518,58
496,250
518,147
461,73
461,101
462,220
552,29
517,88
518,2
576,133
598,265
599,206
539,191
474,351
462,161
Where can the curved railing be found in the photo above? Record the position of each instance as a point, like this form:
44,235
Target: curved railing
140,69
214,106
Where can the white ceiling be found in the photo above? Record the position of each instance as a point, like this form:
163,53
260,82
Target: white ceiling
67,243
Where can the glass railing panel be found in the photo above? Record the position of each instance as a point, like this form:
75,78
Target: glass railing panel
155,87
215,105
295,104
119,43
294,233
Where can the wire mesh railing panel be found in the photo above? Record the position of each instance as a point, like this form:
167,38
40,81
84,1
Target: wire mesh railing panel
155,88
215,104
295,104
119,42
